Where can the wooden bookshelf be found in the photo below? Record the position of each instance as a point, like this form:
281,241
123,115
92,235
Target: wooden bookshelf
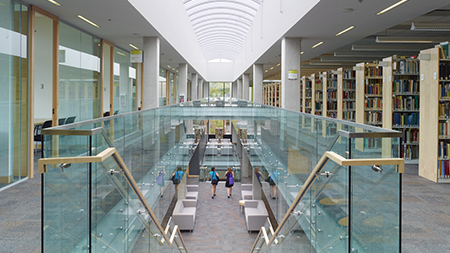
347,79
434,115
401,113
330,94
317,93
302,81
272,93
308,95
369,95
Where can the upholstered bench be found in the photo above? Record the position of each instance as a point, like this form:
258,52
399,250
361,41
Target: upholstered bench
184,214
255,214
246,191
192,192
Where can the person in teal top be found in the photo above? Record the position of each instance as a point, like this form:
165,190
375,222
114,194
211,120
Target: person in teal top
177,176
214,176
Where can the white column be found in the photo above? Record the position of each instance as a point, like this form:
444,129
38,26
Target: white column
151,89
245,86
290,61
194,83
182,83
205,89
200,88
258,83
239,88
234,89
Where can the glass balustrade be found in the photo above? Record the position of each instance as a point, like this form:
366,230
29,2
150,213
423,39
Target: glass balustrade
284,145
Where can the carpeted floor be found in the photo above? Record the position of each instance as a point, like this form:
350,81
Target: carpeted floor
220,225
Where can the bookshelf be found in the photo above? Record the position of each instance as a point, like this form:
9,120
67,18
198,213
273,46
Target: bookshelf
434,162
348,94
307,93
302,81
272,93
317,93
401,83
368,101
330,91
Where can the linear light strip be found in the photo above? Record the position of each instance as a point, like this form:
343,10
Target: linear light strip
54,2
318,44
392,7
346,30
88,21
133,46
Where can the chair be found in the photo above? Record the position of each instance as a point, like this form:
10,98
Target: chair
37,131
70,120
116,112
106,114
61,121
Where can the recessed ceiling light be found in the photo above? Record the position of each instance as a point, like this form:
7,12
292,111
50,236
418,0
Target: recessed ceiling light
169,66
278,64
54,2
266,70
271,68
121,53
88,21
318,44
346,30
347,10
392,7
302,52
133,46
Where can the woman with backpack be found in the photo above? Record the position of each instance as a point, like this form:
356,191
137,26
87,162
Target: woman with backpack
177,176
230,181
214,176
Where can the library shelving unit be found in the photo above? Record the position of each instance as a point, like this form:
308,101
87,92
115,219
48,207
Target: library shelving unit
317,94
434,135
307,95
330,94
368,101
272,93
401,113
302,83
347,94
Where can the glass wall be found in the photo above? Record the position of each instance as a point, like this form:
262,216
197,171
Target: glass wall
79,67
162,83
124,77
13,92
219,89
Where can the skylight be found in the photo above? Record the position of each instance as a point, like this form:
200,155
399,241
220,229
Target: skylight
221,25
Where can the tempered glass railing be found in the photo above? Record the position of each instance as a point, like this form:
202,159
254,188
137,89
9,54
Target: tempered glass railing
345,205
93,204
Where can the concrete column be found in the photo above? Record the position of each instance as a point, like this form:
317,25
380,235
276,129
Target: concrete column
234,89
245,86
239,88
258,83
200,88
205,89
151,89
194,83
290,61
183,80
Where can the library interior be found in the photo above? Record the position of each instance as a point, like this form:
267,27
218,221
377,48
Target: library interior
224,126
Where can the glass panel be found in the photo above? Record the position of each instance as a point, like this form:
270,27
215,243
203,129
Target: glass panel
13,93
106,75
124,76
79,61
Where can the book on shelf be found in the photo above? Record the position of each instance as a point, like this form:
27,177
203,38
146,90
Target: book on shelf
406,119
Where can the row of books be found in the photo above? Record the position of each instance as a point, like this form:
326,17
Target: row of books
444,70
349,85
308,84
406,66
373,71
406,119
444,110
332,84
406,86
347,105
319,95
318,106
332,115
410,136
373,89
348,74
349,95
372,143
318,85
374,103
444,169
308,103
349,115
406,103
332,94
374,117
444,90
308,93
331,105
444,128
444,149
410,152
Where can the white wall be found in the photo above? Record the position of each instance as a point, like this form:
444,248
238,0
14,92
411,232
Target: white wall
43,68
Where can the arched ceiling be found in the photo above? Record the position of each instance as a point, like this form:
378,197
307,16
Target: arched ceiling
221,26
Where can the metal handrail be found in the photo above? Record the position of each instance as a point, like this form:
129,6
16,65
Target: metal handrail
328,155
112,152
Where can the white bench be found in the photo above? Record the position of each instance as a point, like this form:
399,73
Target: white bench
255,214
246,191
184,214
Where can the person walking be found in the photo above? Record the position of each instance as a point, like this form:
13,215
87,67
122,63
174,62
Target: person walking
273,177
230,181
214,176
160,180
259,175
177,176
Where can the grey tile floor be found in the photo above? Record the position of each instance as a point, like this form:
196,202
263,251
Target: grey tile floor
220,226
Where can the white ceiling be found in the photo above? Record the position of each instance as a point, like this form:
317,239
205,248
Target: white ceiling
122,24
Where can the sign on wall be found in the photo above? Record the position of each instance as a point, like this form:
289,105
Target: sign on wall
292,74
136,56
